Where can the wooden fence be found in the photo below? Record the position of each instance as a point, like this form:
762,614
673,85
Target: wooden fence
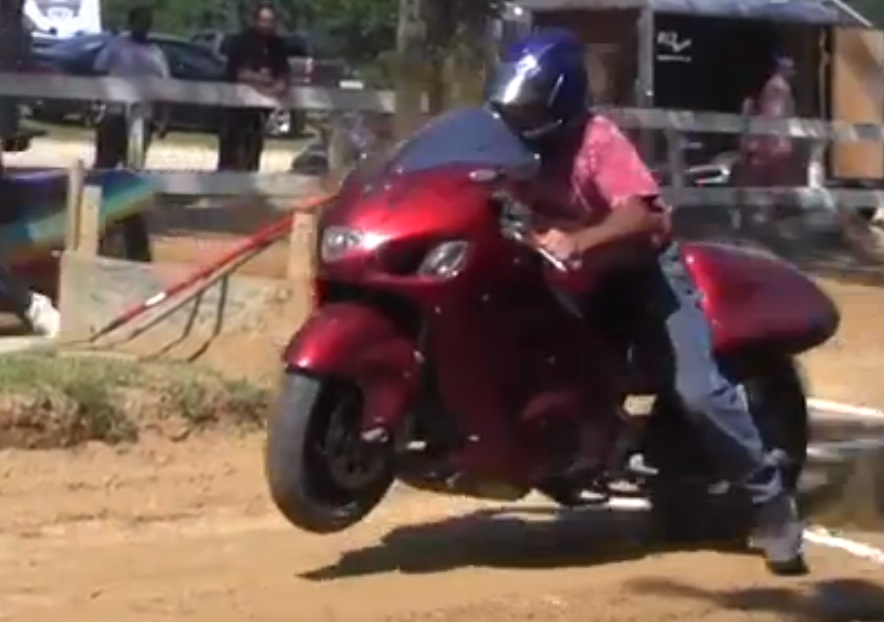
336,102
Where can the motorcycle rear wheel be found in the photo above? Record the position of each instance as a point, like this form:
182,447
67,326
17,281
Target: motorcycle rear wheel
322,476
683,509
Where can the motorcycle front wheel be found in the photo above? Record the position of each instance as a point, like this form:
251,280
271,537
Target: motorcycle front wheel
322,476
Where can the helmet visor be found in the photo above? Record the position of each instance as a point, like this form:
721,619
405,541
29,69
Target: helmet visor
520,83
521,94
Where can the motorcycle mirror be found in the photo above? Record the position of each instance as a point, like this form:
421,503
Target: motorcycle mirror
486,175
495,175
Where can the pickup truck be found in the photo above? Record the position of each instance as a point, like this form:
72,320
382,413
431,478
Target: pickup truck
308,69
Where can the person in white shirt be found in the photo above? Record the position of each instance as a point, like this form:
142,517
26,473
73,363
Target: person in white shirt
129,55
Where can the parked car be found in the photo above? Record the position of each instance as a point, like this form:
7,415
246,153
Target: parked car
76,56
187,61
308,68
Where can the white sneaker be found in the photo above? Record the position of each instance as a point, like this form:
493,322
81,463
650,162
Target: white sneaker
43,316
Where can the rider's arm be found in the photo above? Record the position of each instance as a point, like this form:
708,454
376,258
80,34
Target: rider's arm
617,173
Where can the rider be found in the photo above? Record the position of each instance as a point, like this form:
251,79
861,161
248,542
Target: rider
598,193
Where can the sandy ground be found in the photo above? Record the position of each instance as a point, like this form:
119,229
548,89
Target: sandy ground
848,368
185,531
163,531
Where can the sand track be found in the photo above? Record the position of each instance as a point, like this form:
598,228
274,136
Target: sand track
185,532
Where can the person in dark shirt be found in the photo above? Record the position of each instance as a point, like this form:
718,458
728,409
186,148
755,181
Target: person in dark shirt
15,47
256,57
33,308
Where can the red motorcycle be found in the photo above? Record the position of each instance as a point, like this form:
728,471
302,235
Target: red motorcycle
444,350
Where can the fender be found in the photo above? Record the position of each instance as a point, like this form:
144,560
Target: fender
358,343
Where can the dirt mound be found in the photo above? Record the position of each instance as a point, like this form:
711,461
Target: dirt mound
64,400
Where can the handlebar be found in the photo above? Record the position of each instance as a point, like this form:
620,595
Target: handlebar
515,225
554,261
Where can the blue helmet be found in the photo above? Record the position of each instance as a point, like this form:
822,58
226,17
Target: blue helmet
541,85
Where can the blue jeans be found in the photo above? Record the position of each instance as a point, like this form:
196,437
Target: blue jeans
714,405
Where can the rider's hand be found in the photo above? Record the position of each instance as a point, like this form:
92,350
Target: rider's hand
559,243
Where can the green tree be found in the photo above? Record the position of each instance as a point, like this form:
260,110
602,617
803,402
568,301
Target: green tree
871,9
358,30
174,16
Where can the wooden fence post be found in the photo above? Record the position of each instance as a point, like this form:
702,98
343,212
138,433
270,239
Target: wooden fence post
89,233
675,144
82,232
76,182
136,128
301,244
83,226
816,167
341,151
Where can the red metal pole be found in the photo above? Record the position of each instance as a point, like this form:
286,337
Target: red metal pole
263,237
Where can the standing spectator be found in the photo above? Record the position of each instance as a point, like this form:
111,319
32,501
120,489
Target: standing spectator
35,309
15,48
771,160
256,57
130,55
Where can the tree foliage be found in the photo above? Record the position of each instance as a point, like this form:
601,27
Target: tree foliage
356,29
871,9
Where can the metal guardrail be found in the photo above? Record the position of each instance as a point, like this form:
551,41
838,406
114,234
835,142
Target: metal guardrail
132,91
208,183
673,122
126,90
230,183
801,198
688,121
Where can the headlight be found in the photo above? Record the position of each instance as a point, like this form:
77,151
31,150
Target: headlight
446,260
336,242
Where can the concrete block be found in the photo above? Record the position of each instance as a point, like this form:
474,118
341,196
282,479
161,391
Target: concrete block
96,290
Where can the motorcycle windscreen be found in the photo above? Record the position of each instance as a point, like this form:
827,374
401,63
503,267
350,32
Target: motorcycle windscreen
464,137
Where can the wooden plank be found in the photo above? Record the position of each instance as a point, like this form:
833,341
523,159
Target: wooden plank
857,95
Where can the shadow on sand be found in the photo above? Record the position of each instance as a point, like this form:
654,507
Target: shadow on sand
847,600
509,538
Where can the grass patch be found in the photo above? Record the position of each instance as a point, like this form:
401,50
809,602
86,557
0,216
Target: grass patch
62,400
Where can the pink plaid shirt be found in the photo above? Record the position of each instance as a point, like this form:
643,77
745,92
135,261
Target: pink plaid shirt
596,175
